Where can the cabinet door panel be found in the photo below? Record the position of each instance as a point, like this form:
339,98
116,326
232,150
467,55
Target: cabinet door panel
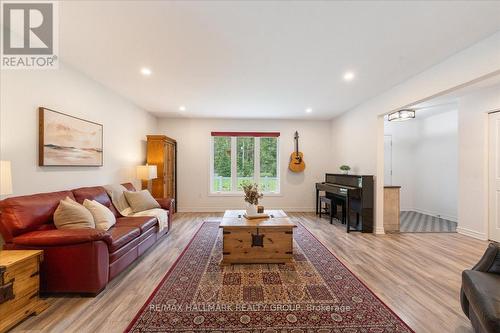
162,153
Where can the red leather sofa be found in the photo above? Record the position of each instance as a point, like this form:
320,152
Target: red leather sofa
77,261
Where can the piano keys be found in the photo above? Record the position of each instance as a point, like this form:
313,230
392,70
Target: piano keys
358,193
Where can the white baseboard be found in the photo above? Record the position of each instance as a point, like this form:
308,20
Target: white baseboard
428,212
379,230
222,209
472,233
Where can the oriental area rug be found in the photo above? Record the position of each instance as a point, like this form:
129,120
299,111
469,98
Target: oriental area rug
313,293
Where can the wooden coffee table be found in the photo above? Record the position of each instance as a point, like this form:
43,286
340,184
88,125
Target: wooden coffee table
256,241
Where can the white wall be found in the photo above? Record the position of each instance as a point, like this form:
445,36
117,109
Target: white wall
357,135
297,189
425,163
68,91
473,160
436,182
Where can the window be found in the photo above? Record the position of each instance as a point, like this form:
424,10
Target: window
245,160
239,157
268,180
222,164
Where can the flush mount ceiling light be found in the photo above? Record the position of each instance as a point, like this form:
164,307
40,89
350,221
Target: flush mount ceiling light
146,71
401,115
348,76
309,110
182,108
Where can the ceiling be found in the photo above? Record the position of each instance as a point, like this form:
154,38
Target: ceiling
263,59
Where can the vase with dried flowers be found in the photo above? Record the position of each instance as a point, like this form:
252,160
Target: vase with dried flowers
252,197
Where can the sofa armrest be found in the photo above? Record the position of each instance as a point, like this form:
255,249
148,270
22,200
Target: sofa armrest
58,237
165,203
464,302
490,261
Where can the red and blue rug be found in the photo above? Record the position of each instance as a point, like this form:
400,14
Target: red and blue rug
314,293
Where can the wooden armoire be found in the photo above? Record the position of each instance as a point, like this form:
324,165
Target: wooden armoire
162,152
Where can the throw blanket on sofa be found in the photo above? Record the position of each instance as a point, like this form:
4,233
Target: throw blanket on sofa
160,214
120,202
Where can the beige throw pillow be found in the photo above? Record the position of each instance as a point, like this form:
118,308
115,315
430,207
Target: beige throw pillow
103,217
141,200
71,215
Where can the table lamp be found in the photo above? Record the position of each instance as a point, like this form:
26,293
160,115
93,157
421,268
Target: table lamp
146,173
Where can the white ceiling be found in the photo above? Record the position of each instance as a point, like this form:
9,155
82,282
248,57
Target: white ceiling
263,59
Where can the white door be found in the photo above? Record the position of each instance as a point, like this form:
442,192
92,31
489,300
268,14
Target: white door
388,160
494,176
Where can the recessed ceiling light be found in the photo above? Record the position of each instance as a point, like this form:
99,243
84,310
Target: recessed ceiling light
309,110
348,76
146,71
182,108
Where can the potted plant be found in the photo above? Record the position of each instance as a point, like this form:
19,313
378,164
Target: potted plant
345,169
252,197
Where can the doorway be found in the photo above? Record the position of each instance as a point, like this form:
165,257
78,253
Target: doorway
421,166
478,214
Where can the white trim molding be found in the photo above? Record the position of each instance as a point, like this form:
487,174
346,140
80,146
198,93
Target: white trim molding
472,233
222,209
379,230
427,212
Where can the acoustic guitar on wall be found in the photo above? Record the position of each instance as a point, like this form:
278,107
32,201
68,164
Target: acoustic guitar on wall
297,163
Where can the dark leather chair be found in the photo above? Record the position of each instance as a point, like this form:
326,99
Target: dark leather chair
480,293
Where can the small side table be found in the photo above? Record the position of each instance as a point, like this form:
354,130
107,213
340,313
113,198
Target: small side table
19,286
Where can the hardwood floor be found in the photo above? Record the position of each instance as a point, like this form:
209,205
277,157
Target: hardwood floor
417,275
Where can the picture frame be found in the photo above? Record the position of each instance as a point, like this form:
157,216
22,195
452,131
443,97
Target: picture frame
65,140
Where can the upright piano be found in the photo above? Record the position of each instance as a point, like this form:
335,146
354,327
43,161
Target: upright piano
357,191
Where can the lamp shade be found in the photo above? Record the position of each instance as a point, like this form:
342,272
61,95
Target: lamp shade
5,178
146,172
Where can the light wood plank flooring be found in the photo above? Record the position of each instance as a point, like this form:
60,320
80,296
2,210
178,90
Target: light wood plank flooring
417,275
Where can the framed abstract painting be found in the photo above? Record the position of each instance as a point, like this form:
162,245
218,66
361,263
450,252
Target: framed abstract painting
65,140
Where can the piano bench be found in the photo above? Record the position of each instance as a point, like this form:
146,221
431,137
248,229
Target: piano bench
340,201
328,203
